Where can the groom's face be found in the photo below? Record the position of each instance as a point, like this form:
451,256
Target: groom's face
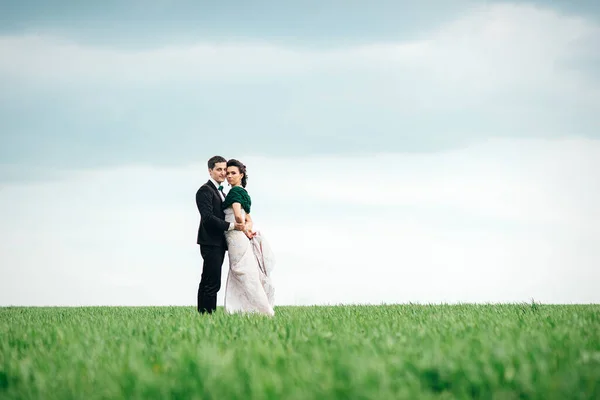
218,172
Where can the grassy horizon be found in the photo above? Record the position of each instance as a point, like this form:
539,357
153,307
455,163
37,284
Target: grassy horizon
491,351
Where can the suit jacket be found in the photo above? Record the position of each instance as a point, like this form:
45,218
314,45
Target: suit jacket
212,227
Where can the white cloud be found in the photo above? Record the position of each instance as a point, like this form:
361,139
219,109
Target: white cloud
499,71
489,48
515,180
503,221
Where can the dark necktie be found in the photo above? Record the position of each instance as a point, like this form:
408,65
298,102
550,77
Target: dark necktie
220,189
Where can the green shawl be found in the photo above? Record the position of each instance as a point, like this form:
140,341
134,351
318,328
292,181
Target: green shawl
238,194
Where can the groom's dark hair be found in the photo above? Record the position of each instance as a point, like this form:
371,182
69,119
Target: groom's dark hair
214,160
241,167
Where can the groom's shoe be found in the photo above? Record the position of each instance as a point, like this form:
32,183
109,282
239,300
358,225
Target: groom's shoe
204,311
206,304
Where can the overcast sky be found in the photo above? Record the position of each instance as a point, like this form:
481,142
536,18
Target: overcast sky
445,152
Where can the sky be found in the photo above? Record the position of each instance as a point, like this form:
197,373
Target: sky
443,152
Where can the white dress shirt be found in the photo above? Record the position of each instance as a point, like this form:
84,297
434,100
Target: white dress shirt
222,194
231,224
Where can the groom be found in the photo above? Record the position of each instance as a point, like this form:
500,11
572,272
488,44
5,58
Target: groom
211,234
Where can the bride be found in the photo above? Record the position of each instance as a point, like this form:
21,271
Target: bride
249,288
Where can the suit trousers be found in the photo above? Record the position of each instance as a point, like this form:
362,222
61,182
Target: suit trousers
210,282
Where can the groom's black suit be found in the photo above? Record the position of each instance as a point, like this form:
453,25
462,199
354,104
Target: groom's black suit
211,238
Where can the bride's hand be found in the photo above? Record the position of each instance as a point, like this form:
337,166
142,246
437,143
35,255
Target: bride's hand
249,233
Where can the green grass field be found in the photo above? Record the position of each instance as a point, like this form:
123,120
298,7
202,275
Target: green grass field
527,351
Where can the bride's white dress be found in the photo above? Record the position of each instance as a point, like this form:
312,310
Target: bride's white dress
249,287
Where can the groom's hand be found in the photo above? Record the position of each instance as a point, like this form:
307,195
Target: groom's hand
239,227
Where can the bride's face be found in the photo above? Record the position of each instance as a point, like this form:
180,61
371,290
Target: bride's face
234,178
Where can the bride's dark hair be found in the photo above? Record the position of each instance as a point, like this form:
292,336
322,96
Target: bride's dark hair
241,167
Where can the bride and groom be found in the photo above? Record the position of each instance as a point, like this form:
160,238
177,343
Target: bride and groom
226,226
